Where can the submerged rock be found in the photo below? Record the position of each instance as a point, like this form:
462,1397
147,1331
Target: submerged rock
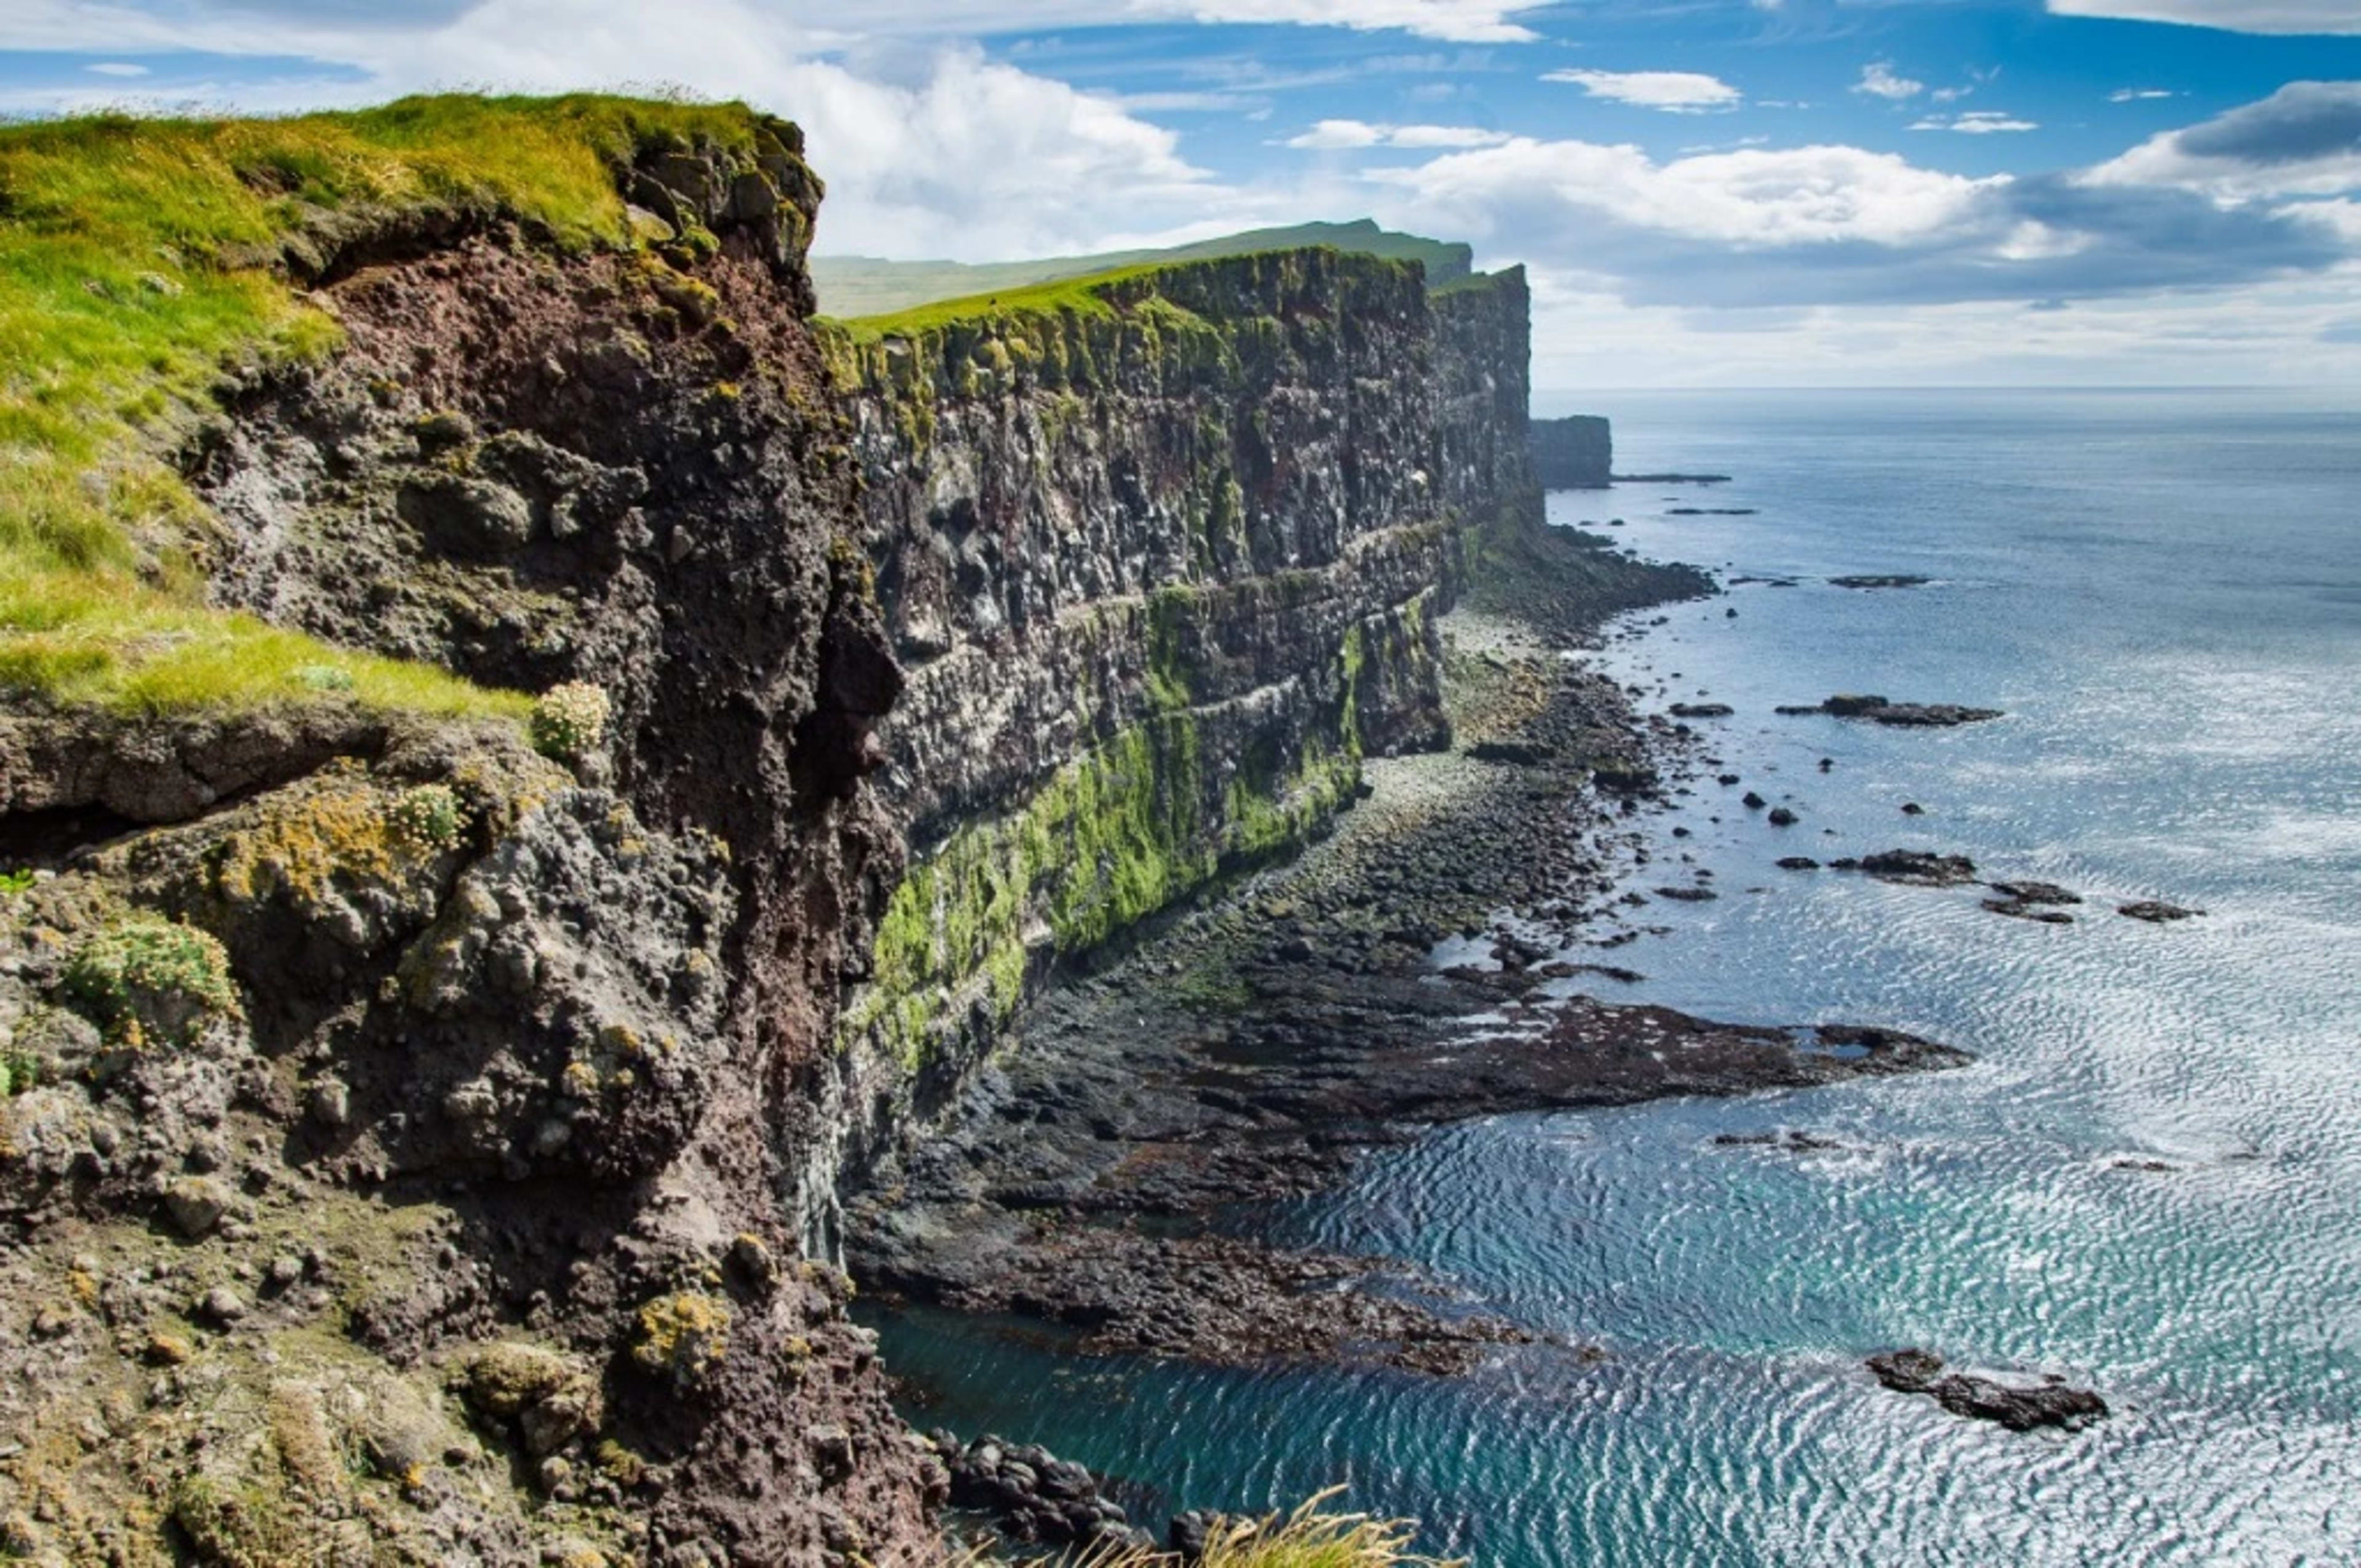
2019,1407
2036,893
2156,912
2024,909
1900,715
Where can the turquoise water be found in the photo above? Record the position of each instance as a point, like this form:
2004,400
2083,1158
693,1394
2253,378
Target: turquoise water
2164,592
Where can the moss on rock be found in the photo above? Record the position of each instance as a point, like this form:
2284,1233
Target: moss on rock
150,981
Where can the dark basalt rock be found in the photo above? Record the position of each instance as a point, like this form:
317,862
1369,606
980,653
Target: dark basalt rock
1899,715
1782,817
1687,894
1627,780
1918,868
1896,580
1791,1140
1518,754
2036,893
1702,709
2156,912
1799,863
1033,1495
2049,1403
2025,909
1572,454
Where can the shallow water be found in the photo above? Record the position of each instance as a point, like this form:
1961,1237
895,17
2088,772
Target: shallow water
2164,592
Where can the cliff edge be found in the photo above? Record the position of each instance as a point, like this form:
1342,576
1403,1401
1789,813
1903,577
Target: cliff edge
527,760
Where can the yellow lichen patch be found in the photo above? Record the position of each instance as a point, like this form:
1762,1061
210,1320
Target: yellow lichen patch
302,845
685,1336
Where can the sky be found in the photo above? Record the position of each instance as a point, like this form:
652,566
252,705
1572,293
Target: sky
1705,192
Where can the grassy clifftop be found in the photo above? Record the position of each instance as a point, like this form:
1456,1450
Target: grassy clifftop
854,286
145,264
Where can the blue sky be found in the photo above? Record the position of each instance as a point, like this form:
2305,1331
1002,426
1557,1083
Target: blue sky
1707,191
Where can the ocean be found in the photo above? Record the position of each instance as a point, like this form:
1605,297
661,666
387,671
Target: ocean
2149,1182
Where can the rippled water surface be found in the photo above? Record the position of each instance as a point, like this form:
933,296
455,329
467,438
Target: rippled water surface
2164,592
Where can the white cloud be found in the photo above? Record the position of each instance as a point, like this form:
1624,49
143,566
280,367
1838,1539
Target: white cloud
116,67
1330,135
977,160
291,26
1675,91
2341,216
2231,15
1981,122
1445,135
1841,225
1335,136
1585,341
1460,21
1747,200
2139,94
2302,140
1877,79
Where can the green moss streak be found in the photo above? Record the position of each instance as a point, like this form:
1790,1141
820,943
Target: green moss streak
1123,832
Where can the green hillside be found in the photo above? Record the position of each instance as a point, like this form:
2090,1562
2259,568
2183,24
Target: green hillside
854,286
142,259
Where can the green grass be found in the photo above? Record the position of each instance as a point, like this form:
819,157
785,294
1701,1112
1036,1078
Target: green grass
137,264
1307,1538
858,286
1092,295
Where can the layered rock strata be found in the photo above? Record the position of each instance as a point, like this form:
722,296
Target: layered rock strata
1162,564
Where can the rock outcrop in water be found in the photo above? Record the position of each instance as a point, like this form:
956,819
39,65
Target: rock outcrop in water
1577,453
1898,715
2020,1407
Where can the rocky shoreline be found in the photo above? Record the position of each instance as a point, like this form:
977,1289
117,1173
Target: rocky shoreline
1414,969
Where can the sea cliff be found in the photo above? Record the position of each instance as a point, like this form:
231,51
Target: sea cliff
428,1103
1162,557
1577,453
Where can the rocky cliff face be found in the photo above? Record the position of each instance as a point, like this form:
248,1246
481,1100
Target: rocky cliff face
1161,559
431,1145
470,1091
